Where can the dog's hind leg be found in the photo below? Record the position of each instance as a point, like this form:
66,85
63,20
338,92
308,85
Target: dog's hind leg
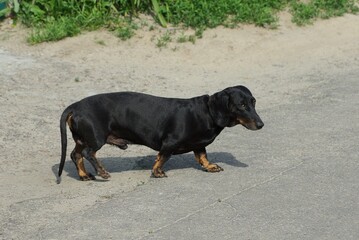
90,155
201,157
91,139
77,158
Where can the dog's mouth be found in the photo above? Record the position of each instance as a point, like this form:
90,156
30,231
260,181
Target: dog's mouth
251,124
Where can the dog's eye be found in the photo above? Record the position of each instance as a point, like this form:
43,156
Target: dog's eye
243,106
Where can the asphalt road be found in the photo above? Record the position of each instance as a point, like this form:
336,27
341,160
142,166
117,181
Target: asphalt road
295,179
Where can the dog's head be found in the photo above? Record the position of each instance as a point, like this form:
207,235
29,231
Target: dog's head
235,105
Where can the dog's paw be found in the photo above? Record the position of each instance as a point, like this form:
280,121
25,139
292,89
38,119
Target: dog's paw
105,175
213,168
88,177
158,173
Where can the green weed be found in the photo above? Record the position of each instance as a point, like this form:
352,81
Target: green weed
101,42
125,32
304,13
187,38
192,39
52,20
163,40
212,13
199,32
53,30
182,38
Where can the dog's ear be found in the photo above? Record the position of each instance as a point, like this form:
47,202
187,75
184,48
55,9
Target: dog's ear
219,108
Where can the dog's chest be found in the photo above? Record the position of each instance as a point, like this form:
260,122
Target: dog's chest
202,138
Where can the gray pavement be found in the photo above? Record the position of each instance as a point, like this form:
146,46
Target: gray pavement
295,179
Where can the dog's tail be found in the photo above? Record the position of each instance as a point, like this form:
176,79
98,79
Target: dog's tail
64,117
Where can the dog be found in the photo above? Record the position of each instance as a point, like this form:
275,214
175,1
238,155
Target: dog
167,125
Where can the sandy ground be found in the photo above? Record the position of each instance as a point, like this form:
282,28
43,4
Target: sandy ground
38,82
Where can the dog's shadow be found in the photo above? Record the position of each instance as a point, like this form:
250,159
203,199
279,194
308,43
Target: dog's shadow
116,164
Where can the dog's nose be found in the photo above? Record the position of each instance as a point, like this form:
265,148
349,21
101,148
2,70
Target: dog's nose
259,124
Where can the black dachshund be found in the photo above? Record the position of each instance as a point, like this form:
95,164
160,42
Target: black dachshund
167,125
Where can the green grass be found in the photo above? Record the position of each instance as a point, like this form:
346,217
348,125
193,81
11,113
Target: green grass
54,30
51,20
126,30
212,13
182,38
306,13
164,39
125,33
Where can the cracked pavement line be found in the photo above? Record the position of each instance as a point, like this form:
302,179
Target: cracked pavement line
270,179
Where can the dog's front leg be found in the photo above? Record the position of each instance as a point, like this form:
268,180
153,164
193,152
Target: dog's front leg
201,157
157,171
